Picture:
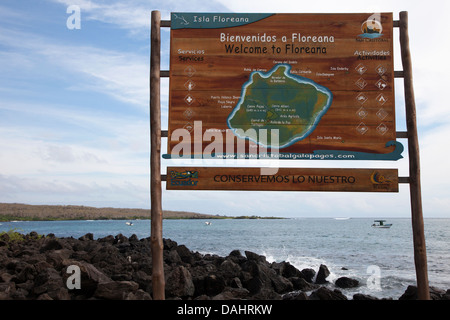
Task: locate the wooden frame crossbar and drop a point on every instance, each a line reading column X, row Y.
column 420, row 259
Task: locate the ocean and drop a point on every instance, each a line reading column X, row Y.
column 381, row 259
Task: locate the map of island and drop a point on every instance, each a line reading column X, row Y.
column 279, row 100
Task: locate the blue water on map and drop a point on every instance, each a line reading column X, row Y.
column 381, row 259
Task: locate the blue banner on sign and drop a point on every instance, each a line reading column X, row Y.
column 189, row 20
column 395, row 155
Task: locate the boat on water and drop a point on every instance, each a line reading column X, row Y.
column 343, row 218
column 208, row 223
column 129, row 223
column 381, row 224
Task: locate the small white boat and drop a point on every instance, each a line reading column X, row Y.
column 129, row 223
column 381, row 224
column 344, row 218
column 208, row 223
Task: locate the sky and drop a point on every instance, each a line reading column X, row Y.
column 74, row 109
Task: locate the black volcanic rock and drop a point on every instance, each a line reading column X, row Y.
column 37, row 267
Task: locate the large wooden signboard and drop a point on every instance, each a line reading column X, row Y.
column 286, row 179
column 321, row 84
column 313, row 86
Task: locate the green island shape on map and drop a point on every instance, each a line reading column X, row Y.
column 279, row 100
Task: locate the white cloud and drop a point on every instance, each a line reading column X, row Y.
column 134, row 15
column 120, row 74
column 123, row 76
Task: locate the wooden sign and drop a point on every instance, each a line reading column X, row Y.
column 286, row 179
column 311, row 86
column 242, row 55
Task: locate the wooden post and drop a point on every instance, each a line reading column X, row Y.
column 158, row 282
column 420, row 256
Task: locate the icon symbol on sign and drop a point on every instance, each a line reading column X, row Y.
column 189, row 99
column 381, row 99
column 362, row 128
column 188, row 113
column 380, row 70
column 382, row 129
column 181, row 18
column 362, row 113
column 188, row 126
column 361, row 83
column 381, row 84
column 189, row 85
column 372, row 27
column 190, row 71
column 361, row 98
column 382, row 114
column 360, row 68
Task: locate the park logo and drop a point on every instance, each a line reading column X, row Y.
column 185, row 178
column 380, row 181
column 372, row 27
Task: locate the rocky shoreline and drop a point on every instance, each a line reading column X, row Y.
column 34, row 267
